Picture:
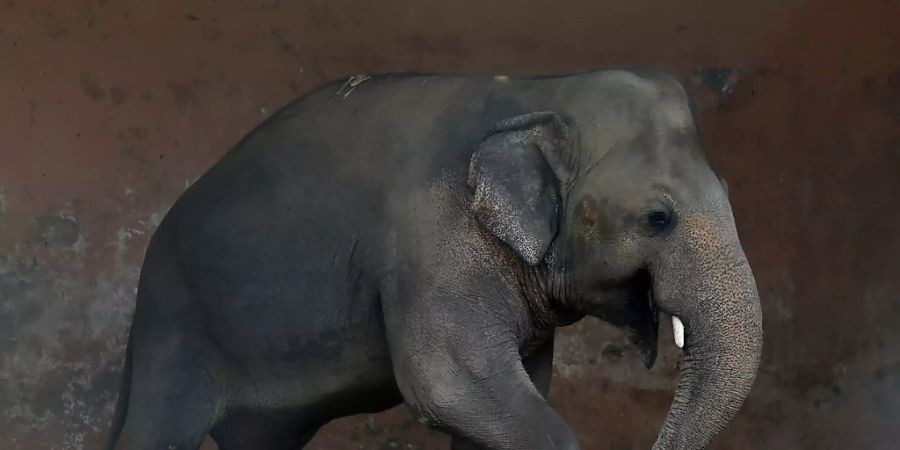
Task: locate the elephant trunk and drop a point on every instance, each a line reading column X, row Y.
column 707, row 284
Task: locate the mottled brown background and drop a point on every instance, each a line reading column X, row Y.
column 108, row 109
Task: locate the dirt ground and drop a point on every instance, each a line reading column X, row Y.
column 109, row 109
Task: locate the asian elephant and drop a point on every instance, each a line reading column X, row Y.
column 418, row 238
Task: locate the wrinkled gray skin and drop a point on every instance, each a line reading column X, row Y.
column 418, row 239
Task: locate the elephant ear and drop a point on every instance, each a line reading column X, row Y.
column 516, row 172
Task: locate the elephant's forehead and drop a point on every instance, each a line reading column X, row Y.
column 673, row 116
column 620, row 106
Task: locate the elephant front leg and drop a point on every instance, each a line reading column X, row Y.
column 481, row 392
column 539, row 366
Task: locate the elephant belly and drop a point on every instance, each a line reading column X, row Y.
column 321, row 379
column 310, row 361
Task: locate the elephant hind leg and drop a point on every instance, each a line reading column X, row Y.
column 258, row 431
column 175, row 399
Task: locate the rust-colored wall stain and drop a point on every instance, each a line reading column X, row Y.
column 109, row 109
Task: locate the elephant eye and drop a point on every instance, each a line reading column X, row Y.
column 659, row 220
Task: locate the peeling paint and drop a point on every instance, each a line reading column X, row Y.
column 60, row 362
column 721, row 82
column 57, row 230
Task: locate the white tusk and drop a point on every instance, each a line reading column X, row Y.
column 678, row 331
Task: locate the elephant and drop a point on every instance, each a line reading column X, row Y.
column 418, row 238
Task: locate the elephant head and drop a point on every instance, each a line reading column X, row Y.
column 616, row 213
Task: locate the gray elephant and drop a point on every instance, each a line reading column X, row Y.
column 419, row 238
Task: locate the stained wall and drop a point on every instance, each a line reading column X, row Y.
column 109, row 109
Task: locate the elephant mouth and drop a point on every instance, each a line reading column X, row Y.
column 645, row 334
column 655, row 312
column 651, row 303
column 633, row 309
column 641, row 319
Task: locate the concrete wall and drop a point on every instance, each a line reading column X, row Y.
column 108, row 109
